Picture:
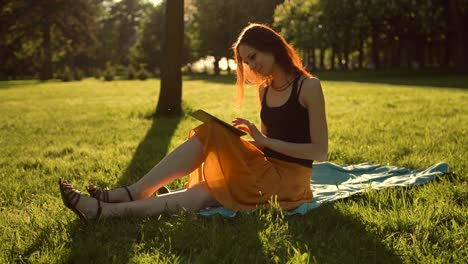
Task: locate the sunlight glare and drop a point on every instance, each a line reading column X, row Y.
column 155, row 2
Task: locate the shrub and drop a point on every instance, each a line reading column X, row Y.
column 131, row 72
column 143, row 74
column 57, row 74
column 78, row 74
column 66, row 74
column 97, row 73
column 109, row 72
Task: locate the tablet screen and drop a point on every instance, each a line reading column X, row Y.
column 205, row 117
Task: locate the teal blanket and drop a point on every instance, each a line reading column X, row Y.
column 331, row 182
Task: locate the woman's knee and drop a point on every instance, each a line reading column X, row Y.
column 201, row 195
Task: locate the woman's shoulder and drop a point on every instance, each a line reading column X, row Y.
column 311, row 82
column 311, row 91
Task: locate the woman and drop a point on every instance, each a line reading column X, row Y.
column 224, row 169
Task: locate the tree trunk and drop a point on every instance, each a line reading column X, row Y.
column 419, row 46
column 314, row 60
column 408, row 49
column 46, row 70
column 322, row 59
column 346, row 59
column 375, row 48
column 340, row 60
column 361, row 51
column 170, row 96
column 332, row 60
column 216, row 68
column 430, row 54
column 395, row 54
column 456, row 38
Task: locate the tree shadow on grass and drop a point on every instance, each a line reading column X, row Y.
column 182, row 237
column 113, row 241
column 335, row 237
column 328, row 234
column 151, row 149
column 325, row 234
column 404, row 77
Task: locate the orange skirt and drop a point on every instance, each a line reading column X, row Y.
column 239, row 176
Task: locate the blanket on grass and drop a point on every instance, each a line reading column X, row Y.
column 331, row 182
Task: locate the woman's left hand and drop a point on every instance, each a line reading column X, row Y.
column 251, row 129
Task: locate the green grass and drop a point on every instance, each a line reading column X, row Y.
column 102, row 132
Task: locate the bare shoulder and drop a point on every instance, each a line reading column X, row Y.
column 311, row 84
column 311, row 92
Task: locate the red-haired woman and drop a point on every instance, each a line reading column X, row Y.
column 224, row 169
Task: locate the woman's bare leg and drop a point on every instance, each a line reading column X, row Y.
column 192, row 199
column 180, row 162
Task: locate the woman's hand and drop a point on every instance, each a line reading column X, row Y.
column 251, row 129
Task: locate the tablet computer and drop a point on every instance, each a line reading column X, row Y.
column 205, row 117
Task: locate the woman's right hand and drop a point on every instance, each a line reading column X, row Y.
column 251, row 129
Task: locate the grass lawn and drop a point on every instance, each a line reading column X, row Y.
column 102, row 132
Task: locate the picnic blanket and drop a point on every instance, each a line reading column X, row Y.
column 331, row 182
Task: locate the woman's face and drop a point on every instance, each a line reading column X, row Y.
column 259, row 62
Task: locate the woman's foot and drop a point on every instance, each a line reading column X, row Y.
column 117, row 195
column 83, row 206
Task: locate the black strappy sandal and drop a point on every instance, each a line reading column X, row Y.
column 71, row 198
column 97, row 191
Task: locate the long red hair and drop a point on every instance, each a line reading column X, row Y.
column 264, row 39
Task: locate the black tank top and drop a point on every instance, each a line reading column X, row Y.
column 288, row 122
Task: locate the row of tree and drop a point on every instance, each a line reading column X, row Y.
column 40, row 37
column 377, row 33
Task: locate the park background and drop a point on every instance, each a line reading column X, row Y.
column 76, row 39
column 81, row 93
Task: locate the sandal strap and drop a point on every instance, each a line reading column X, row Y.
column 99, row 211
column 95, row 193
column 103, row 195
column 128, row 191
column 74, row 198
column 71, row 197
column 100, row 194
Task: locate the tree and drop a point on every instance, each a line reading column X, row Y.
column 217, row 23
column 149, row 45
column 127, row 16
column 300, row 22
column 458, row 38
column 170, row 96
column 148, row 48
column 46, row 31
